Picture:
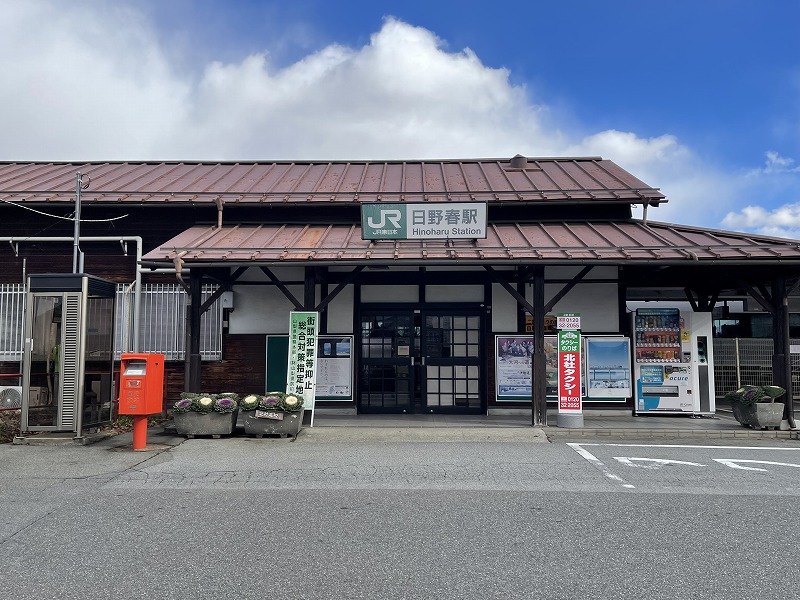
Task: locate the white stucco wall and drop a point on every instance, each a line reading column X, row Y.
column 504, row 310
column 340, row 312
column 389, row 293
column 454, row 293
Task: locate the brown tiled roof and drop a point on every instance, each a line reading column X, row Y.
column 622, row 242
column 493, row 180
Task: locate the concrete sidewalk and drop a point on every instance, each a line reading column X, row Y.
column 597, row 424
column 336, row 426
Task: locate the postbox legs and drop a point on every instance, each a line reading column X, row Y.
column 140, row 432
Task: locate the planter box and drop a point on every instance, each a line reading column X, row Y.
column 214, row 424
column 759, row 415
column 260, row 426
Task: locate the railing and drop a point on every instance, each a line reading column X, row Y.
column 12, row 309
column 161, row 329
column 163, row 324
column 747, row 361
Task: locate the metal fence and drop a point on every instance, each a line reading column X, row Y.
column 12, row 309
column 161, row 328
column 746, row 361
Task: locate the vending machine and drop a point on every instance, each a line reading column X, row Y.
column 673, row 362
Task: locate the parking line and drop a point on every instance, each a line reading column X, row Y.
column 685, row 446
column 599, row 464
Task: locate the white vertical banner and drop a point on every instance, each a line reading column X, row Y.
column 301, row 373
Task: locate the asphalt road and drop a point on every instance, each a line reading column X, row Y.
column 319, row 519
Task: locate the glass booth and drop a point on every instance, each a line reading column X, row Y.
column 68, row 361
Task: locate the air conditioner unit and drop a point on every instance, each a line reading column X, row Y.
column 10, row 396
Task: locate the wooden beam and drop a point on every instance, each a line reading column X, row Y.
column 510, row 289
column 347, row 281
column 566, row 289
column 297, row 304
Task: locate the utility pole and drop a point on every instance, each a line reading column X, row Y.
column 77, row 265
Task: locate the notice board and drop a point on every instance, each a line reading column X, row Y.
column 334, row 355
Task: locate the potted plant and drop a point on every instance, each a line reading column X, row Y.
column 275, row 413
column 205, row 414
column 755, row 406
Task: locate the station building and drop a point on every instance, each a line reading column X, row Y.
column 434, row 280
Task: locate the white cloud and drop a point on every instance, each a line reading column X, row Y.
column 778, row 178
column 90, row 81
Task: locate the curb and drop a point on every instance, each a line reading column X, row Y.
column 422, row 434
column 758, row 434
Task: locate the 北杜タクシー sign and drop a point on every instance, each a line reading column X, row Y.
column 569, row 363
column 444, row 220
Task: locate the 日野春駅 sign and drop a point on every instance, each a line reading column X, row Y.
column 445, row 220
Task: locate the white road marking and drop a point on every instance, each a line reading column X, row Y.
column 656, row 463
column 734, row 464
column 687, row 446
column 599, row 464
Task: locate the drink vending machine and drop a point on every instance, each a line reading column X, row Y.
column 673, row 362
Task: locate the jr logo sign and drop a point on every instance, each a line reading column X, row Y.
column 391, row 215
column 432, row 220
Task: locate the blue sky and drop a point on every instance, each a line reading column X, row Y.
column 699, row 98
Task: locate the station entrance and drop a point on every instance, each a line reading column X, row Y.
column 428, row 360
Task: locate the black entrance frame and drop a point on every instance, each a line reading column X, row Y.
column 420, row 357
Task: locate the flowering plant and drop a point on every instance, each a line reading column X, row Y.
column 291, row 403
column 250, row 402
column 750, row 394
column 206, row 403
column 225, row 404
column 273, row 401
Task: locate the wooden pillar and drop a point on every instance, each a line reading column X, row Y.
column 781, row 357
column 309, row 289
column 192, row 381
column 539, row 367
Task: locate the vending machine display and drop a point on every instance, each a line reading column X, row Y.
column 672, row 368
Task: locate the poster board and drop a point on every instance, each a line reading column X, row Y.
column 328, row 373
column 513, row 364
column 335, row 368
column 608, row 367
column 277, row 361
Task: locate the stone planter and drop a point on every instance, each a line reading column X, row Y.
column 760, row 415
column 214, row 424
column 268, row 423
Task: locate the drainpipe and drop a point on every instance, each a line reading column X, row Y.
column 219, row 202
column 178, row 262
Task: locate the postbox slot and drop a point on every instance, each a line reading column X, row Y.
column 135, row 368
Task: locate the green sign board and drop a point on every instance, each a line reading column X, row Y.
column 301, row 371
column 432, row 220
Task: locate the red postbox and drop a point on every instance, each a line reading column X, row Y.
column 141, row 391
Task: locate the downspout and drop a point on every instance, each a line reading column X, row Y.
column 219, row 202
column 178, row 262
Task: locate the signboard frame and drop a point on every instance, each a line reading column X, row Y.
column 334, row 384
column 301, row 369
column 424, row 220
column 511, row 387
column 569, row 371
column 598, row 386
